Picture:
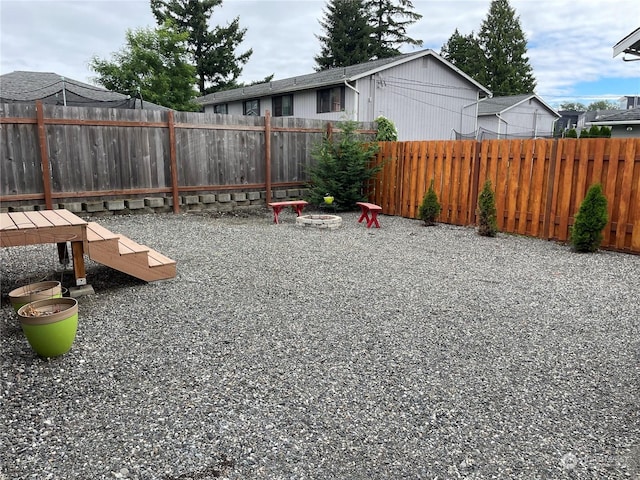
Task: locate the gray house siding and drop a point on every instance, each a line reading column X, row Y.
column 527, row 119
column 623, row 124
column 304, row 106
column 622, row 131
column 425, row 99
column 425, row 96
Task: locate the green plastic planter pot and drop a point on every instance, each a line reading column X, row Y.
column 52, row 330
column 33, row 292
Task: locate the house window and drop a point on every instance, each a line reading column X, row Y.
column 283, row 106
column 251, row 107
column 330, row 100
column 221, row 108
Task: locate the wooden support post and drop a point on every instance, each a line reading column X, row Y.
column 174, row 163
column 44, row 155
column 63, row 253
column 267, row 154
column 79, row 273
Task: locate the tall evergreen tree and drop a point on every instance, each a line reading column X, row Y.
column 356, row 31
column 464, row 52
column 390, row 20
column 497, row 57
column 213, row 51
column 508, row 71
column 347, row 35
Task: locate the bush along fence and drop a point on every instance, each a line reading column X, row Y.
column 539, row 183
column 106, row 160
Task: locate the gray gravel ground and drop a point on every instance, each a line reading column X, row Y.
column 287, row 353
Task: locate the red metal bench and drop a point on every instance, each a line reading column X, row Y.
column 297, row 205
column 369, row 208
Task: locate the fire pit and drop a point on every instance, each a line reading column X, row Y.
column 330, row 222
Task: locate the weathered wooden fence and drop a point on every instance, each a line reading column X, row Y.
column 64, row 153
column 539, row 183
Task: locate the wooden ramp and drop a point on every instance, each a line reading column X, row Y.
column 123, row 254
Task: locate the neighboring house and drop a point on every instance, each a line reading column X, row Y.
column 587, row 118
column 51, row 88
column 568, row 120
column 623, row 124
column 516, row 116
column 629, row 45
column 629, row 101
column 425, row 96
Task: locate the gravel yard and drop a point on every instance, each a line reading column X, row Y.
column 281, row 352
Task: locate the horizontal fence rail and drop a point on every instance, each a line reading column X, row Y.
column 539, row 183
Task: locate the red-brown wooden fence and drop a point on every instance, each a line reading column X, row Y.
column 539, row 183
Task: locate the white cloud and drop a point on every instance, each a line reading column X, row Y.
column 569, row 42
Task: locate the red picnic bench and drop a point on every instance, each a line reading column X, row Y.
column 297, row 205
column 369, row 208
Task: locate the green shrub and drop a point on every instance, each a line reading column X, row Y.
column 487, row 223
column 584, row 133
column 387, row 131
column 592, row 217
column 571, row 133
column 595, row 132
column 342, row 168
column 430, row 208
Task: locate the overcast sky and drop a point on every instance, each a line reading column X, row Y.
column 570, row 43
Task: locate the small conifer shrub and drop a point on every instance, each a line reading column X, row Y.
column 487, row 214
column 343, row 166
column 592, row 217
column 430, row 208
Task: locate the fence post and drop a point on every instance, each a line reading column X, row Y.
column 267, row 154
column 174, row 162
column 44, row 155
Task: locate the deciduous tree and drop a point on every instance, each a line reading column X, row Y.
column 602, row 105
column 574, row 106
column 155, row 64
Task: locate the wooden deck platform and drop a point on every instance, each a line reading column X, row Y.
column 98, row 243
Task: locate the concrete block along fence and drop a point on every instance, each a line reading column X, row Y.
column 211, row 202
